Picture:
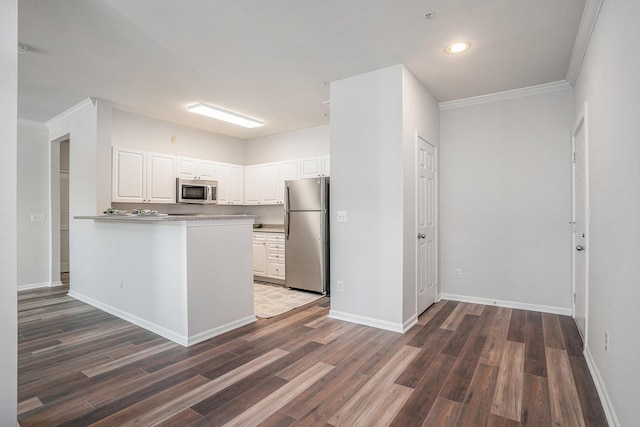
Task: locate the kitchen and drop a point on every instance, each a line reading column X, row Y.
column 170, row 151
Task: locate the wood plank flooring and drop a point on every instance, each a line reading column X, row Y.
column 461, row 365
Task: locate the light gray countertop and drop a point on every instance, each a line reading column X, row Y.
column 167, row 218
column 269, row 228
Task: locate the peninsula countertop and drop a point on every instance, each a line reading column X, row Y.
column 165, row 217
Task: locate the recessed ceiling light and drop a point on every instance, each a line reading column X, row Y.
column 224, row 115
column 429, row 15
column 457, row 47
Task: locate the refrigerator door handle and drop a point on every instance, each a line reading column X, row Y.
column 286, row 211
column 286, row 225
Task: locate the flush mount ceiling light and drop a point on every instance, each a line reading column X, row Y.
column 224, row 115
column 457, row 47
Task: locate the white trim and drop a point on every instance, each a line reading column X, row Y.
column 506, row 95
column 581, row 122
column 409, row 323
column 587, row 24
column 72, row 112
column 605, row 399
column 162, row 331
column 509, row 304
column 203, row 336
column 39, row 285
column 32, row 124
column 367, row 321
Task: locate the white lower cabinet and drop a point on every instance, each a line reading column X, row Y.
column 268, row 256
column 259, row 254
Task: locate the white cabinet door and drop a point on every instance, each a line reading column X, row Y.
column 223, row 176
column 161, row 181
column 129, row 176
column 289, row 170
column 206, row 170
column 326, row 165
column 253, row 184
column 237, row 185
column 270, row 184
column 259, row 254
column 312, row 167
column 187, row 167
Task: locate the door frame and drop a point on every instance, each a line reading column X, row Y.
column 436, row 273
column 581, row 122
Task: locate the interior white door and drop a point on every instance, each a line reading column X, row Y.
column 426, row 218
column 580, row 219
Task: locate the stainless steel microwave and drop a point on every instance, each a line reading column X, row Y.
column 196, row 191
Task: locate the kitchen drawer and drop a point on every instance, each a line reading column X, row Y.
column 276, row 237
column 275, row 256
column 276, row 270
column 262, row 237
column 276, row 246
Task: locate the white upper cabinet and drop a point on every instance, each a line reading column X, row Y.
column 161, row 181
column 189, row 168
column 289, row 170
column 270, row 184
column 230, row 183
column 264, row 183
column 128, row 175
column 253, row 185
column 312, row 167
column 143, row 177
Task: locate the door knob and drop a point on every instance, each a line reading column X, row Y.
column 580, row 248
column 421, row 236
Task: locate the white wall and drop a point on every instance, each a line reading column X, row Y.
column 505, row 199
column 420, row 113
column 8, row 182
column 609, row 83
column 33, row 197
column 367, row 180
column 133, row 131
column 290, row 145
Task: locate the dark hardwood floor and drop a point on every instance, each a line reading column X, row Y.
column 462, row 365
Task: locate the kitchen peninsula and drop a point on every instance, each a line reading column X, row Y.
column 187, row 278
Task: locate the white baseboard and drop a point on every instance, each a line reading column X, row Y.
column 605, row 399
column 203, row 336
column 156, row 329
column 409, row 323
column 181, row 339
column 367, row 321
column 39, row 285
column 508, row 304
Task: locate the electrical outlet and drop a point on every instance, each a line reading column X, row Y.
column 606, row 341
column 121, row 284
column 457, row 273
column 38, row 217
column 342, row 216
column 340, row 284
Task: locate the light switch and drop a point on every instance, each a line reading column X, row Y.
column 37, row 217
column 342, row 216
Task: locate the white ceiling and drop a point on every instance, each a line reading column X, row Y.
column 273, row 60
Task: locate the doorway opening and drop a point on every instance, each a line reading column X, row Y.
column 64, row 212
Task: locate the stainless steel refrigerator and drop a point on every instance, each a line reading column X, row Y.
column 306, row 227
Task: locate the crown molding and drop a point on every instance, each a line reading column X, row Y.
column 503, row 96
column 72, row 112
column 32, row 124
column 587, row 24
